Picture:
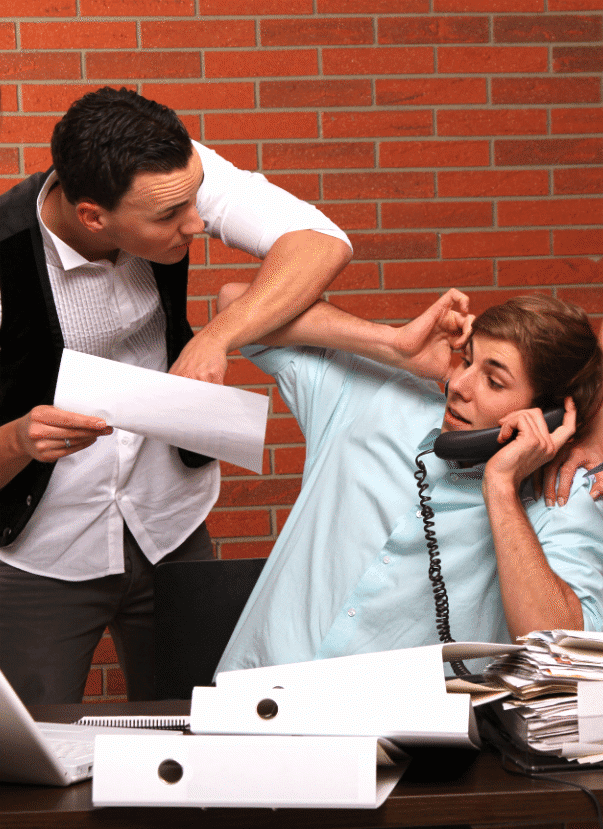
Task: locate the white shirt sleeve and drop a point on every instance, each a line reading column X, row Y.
column 247, row 212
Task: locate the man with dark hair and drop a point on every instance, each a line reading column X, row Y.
column 350, row 571
column 94, row 257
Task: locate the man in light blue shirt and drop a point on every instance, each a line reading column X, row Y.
column 348, row 573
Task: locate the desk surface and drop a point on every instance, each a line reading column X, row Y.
column 482, row 794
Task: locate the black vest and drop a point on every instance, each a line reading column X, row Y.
column 31, row 341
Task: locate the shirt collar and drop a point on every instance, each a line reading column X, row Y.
column 60, row 253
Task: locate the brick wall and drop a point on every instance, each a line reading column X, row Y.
column 459, row 142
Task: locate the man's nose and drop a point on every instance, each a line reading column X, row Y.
column 192, row 223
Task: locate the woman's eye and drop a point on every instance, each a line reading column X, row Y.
column 493, row 384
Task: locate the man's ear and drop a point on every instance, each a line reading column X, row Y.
column 91, row 215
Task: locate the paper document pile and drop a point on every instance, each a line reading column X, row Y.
column 557, row 694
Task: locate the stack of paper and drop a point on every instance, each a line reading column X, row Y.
column 557, row 704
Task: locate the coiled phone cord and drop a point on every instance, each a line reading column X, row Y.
column 440, row 596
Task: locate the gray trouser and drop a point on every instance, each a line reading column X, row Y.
column 49, row 628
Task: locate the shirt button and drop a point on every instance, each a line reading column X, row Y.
column 419, row 513
column 386, row 559
column 28, row 500
column 454, row 477
column 351, row 612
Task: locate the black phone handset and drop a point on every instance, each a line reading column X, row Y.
column 473, row 446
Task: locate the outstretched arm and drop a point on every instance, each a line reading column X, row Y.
column 534, row 596
column 296, row 270
column 423, row 346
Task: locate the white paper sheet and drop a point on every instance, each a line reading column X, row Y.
column 220, row 421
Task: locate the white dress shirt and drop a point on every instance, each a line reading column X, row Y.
column 114, row 311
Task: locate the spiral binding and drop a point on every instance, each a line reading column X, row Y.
column 440, row 596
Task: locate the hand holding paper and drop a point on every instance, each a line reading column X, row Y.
column 222, row 422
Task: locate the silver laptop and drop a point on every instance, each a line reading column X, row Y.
column 51, row 754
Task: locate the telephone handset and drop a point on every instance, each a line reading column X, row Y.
column 473, row 446
column 478, row 446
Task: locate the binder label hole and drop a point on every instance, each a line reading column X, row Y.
column 267, row 709
column 170, row 771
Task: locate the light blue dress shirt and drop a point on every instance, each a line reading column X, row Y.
column 348, row 573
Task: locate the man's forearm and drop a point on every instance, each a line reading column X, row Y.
column 295, row 272
column 534, row 597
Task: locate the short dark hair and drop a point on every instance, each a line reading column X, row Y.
column 560, row 350
column 108, row 136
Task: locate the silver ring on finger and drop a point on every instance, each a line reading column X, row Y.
column 67, row 443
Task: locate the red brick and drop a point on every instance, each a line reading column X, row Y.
column 493, row 183
column 43, row 8
column 199, row 34
column 219, row 254
column 289, row 461
column 577, row 120
column 7, row 183
column 351, row 216
column 281, row 518
column 394, row 307
column 202, row 95
column 255, row 7
column 243, row 373
column 433, row 30
column 578, row 59
column 373, row 6
column 323, row 93
column 253, row 64
column 247, row 549
column 56, row 97
column 488, row 6
column 261, row 125
column 480, row 300
column 519, row 91
column 78, row 35
column 554, row 212
column 94, row 683
column 133, row 8
column 7, row 35
column 578, row 242
column 426, row 92
column 376, row 185
column 244, row 156
column 549, row 151
column 105, row 653
column 197, row 250
column 590, row 299
column 30, row 66
column 453, row 274
column 547, row 28
column 495, row 243
column 283, row 430
column 198, row 312
column 278, row 404
column 357, row 276
column 434, row 154
column 555, row 271
column 304, row 186
column 394, row 245
column 31, row 129
column 574, row 181
column 143, row 65
column 380, row 124
column 9, row 161
column 223, row 524
column 490, row 59
column 8, row 98
column 255, row 492
column 492, row 122
column 316, row 32
column 432, row 214
column 116, row 683
column 574, row 5
column 380, row 60
column 311, row 156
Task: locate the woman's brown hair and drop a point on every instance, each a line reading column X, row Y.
column 560, row 350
